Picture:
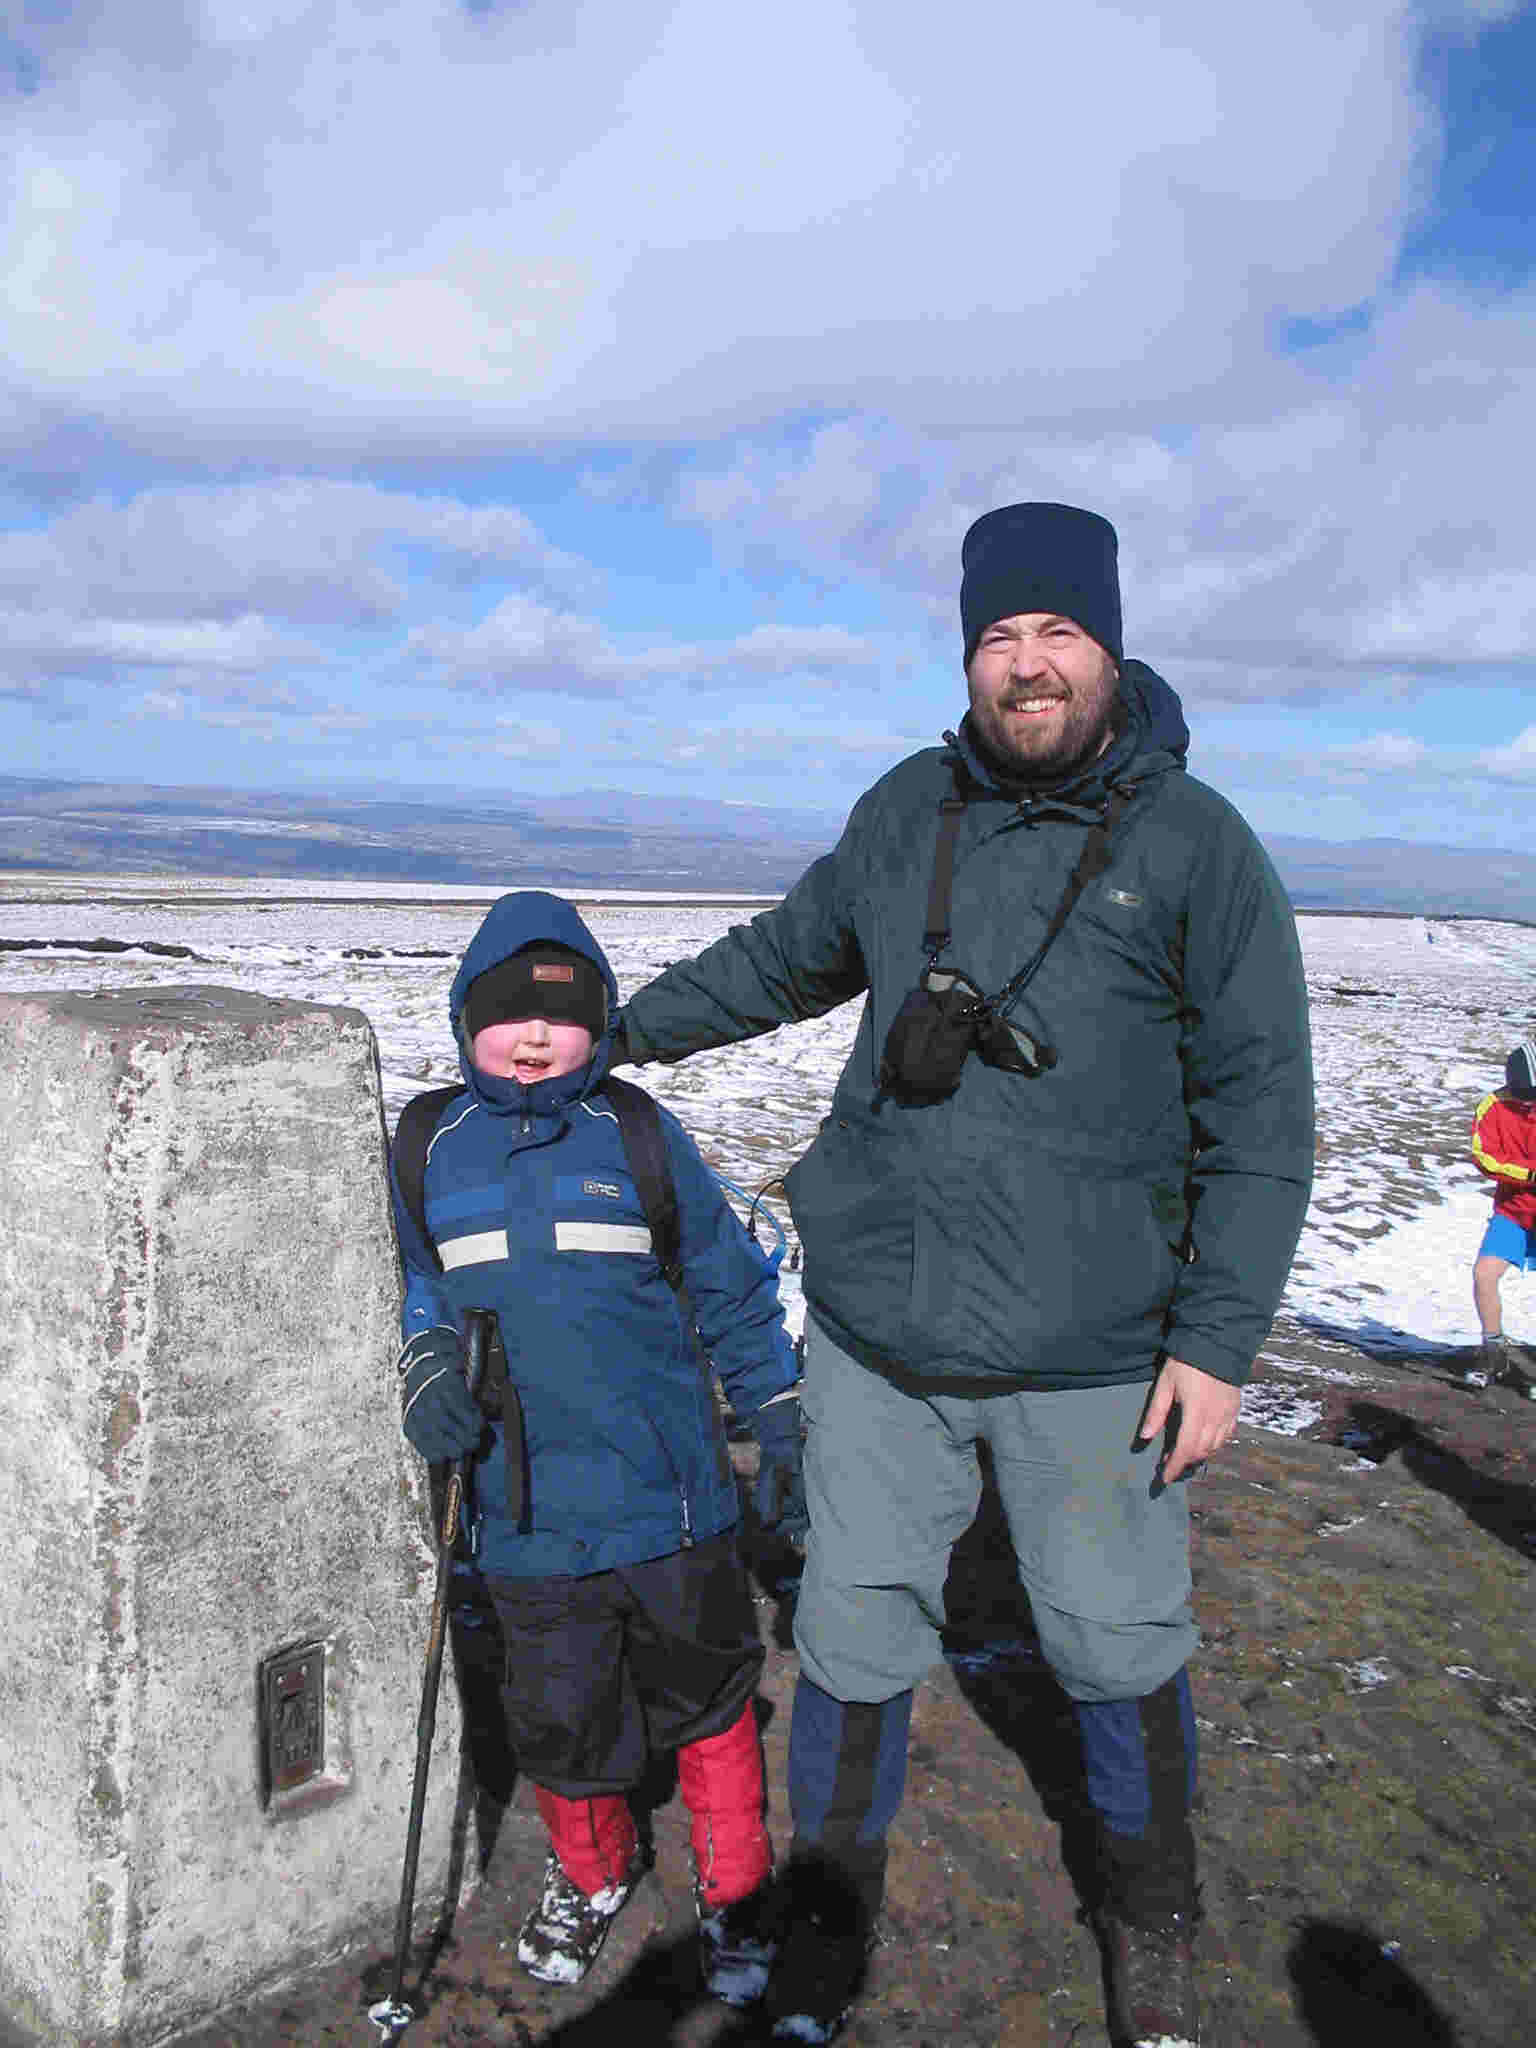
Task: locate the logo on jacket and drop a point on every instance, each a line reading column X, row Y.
column 1126, row 896
column 609, row 1188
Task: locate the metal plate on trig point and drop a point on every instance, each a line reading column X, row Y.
column 293, row 1717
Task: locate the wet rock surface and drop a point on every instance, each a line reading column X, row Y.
column 1367, row 1698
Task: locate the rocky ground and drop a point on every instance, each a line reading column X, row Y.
column 1367, row 1697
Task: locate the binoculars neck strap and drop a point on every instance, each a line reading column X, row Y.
column 1091, row 862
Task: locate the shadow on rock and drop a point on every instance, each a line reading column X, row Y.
column 1505, row 1508
column 991, row 1646
column 1384, row 1342
column 1351, row 1990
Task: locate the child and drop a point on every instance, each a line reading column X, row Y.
column 1504, row 1146
column 611, row 1561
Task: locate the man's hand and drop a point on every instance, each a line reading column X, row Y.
column 1207, row 1415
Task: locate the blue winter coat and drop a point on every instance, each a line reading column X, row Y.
column 530, row 1203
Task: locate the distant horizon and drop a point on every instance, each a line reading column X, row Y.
column 413, row 796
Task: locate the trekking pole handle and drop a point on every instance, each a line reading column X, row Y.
column 478, row 1324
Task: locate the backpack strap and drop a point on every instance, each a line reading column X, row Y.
column 413, row 1135
column 645, row 1147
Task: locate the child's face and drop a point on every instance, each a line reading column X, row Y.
column 530, row 1049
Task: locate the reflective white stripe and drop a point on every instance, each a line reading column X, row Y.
column 472, row 1251
column 602, row 1237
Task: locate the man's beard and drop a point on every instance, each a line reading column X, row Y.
column 1081, row 741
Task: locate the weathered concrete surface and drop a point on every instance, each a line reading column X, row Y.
column 200, row 1466
column 1367, row 1694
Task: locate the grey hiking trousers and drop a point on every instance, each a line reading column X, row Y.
column 892, row 1482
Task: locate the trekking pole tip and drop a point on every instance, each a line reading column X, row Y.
column 391, row 2016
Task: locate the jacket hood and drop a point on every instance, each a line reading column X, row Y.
column 512, row 922
column 1152, row 738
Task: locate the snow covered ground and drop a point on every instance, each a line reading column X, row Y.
column 1411, row 1019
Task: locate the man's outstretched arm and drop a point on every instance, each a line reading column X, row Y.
column 798, row 960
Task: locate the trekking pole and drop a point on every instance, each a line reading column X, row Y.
column 391, row 2015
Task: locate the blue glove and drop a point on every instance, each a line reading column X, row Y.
column 779, row 1495
column 437, row 1414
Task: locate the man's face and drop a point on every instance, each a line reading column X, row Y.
column 1042, row 693
column 530, row 1049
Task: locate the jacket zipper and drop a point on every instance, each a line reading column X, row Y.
column 677, row 1481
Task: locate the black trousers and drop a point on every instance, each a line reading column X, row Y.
column 605, row 1672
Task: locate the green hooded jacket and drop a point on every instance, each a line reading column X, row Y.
column 1142, row 1196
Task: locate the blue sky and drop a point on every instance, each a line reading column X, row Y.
column 529, row 396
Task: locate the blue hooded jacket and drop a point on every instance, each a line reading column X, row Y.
column 530, row 1203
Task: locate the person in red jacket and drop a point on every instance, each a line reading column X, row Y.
column 1504, row 1147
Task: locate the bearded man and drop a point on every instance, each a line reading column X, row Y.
column 1050, row 1211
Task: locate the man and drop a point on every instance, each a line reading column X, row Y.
column 1051, row 1210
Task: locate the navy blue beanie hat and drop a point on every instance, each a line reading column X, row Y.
column 1041, row 558
column 1520, row 1071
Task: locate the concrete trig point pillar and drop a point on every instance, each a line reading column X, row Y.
column 216, row 1576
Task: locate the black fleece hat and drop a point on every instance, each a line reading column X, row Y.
column 1041, row 558
column 543, row 980
column 1520, row 1071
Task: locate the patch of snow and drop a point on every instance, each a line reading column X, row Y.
column 1266, row 1406
column 1335, row 1375
column 1366, row 1673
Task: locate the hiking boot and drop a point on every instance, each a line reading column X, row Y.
column 1510, row 1365
column 1149, row 1980
column 737, row 1945
column 559, row 1941
column 819, row 1973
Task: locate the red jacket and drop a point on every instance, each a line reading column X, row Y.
column 1504, row 1146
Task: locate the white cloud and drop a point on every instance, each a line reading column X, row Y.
column 1383, row 761
column 311, row 550
column 539, row 219
column 524, row 644
column 1515, row 762
column 1363, row 537
column 832, row 281
column 59, row 643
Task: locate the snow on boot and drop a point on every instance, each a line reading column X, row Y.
column 737, row 1945
column 721, row 1779
column 595, row 1863
column 813, row 1988
column 1149, row 1980
column 559, row 1941
column 825, row 1954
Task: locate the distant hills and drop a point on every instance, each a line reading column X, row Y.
column 597, row 838
column 1399, row 876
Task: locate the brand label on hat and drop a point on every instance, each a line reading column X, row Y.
column 553, row 970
